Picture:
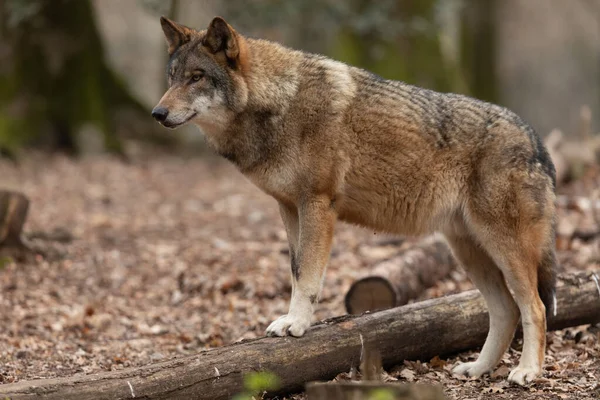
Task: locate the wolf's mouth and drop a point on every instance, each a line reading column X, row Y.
column 175, row 125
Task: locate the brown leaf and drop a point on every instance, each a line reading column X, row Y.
column 89, row 311
column 437, row 362
column 500, row 372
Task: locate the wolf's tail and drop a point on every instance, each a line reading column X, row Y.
column 547, row 281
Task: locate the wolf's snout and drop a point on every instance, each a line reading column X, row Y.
column 160, row 114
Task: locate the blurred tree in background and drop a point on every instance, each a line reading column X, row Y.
column 54, row 80
column 447, row 45
column 57, row 86
column 540, row 58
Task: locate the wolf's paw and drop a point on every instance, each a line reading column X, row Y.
column 524, row 375
column 473, row 369
column 288, row 324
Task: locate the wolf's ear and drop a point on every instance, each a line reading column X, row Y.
column 221, row 37
column 175, row 34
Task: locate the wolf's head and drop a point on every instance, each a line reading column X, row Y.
column 205, row 76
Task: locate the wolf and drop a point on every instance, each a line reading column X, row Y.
column 333, row 142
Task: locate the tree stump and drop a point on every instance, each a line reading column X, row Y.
column 13, row 212
column 372, row 390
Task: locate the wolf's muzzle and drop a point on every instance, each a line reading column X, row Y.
column 160, row 114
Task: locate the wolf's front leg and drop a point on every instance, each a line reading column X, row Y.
column 310, row 232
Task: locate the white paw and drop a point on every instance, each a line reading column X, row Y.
column 524, row 375
column 288, row 324
column 473, row 369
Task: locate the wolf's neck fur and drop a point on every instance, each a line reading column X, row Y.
column 272, row 78
column 273, row 75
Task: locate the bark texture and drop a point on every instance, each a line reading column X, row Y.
column 394, row 282
column 55, row 81
column 417, row 331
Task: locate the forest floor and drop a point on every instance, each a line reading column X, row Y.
column 165, row 256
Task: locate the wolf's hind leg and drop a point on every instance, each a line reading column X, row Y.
column 521, row 275
column 518, row 251
column 316, row 220
column 503, row 311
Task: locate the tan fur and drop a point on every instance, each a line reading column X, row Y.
column 333, row 142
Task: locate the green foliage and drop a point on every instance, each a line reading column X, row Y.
column 478, row 54
column 381, row 394
column 395, row 39
column 383, row 18
column 260, row 381
column 256, row 383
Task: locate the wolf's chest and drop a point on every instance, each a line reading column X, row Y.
column 279, row 182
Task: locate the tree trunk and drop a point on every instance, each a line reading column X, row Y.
column 409, row 54
column 394, row 282
column 54, row 79
column 417, row 331
column 478, row 49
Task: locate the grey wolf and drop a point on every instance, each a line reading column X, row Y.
column 333, row 142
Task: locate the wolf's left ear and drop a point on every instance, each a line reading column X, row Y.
column 175, row 34
column 221, row 37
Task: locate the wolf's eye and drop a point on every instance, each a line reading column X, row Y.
column 197, row 76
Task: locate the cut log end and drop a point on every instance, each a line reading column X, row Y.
column 372, row 293
column 396, row 281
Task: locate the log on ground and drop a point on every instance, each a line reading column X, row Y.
column 394, row 282
column 417, row 331
column 13, row 212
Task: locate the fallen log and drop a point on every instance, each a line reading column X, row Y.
column 13, row 212
column 394, row 282
column 416, row 331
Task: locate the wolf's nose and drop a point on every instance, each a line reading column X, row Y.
column 160, row 114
